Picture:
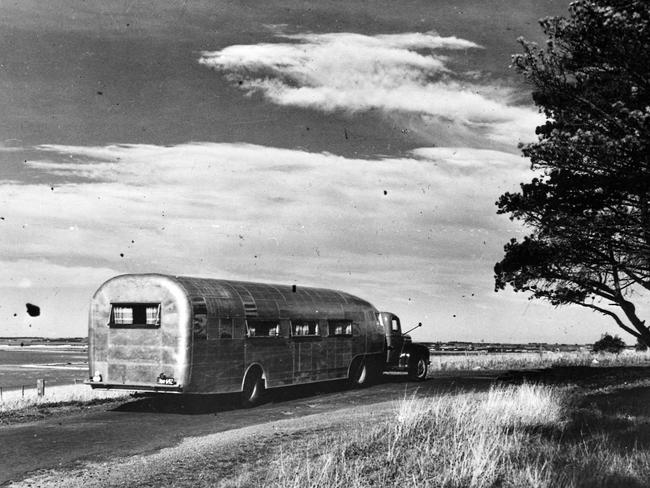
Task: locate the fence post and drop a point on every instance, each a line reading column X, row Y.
column 23, row 390
column 40, row 387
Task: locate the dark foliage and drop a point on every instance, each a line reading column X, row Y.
column 589, row 208
column 640, row 345
column 608, row 343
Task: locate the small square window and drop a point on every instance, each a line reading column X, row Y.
column 339, row 327
column 263, row 328
column 135, row 315
column 199, row 318
column 301, row 328
column 226, row 328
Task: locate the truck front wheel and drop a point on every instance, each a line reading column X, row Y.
column 418, row 368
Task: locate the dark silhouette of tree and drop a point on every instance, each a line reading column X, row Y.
column 607, row 343
column 589, row 208
column 640, row 345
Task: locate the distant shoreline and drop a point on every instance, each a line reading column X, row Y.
column 42, row 341
column 43, row 347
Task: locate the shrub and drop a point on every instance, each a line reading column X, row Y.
column 607, row 343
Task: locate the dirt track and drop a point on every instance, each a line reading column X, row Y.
column 149, row 424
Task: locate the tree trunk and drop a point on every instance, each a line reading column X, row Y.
column 630, row 312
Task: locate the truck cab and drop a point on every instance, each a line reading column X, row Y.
column 402, row 354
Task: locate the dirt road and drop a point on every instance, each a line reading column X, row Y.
column 149, row 424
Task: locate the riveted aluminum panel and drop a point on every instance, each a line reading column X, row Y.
column 216, row 361
column 270, row 299
column 137, row 356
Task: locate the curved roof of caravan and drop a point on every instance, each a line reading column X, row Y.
column 250, row 292
column 236, row 298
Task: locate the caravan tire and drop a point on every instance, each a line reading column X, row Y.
column 254, row 389
column 359, row 374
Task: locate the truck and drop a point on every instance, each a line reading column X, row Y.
column 402, row 354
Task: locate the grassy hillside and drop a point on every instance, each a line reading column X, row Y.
column 509, row 436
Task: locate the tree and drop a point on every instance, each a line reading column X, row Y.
column 640, row 345
column 607, row 343
column 589, row 208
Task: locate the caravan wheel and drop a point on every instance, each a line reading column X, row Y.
column 359, row 374
column 253, row 391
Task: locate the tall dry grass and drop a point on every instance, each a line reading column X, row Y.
column 544, row 359
column 516, row 436
column 14, row 400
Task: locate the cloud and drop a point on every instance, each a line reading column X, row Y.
column 408, row 233
column 404, row 73
column 417, row 235
column 40, row 273
column 10, row 145
column 191, row 202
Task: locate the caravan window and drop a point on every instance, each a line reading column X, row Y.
column 135, row 315
column 199, row 318
column 300, row 328
column 263, row 328
column 339, row 327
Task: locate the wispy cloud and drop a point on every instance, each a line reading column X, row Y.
column 40, row 273
column 417, row 234
column 398, row 73
column 255, row 205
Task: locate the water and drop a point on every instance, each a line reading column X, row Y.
column 57, row 365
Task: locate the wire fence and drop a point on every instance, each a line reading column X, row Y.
column 24, row 396
column 37, row 388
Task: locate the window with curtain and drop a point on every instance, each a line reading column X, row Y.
column 135, row 315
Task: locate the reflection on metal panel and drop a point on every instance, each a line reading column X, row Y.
column 212, row 330
column 244, row 299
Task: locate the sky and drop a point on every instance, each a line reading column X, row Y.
column 351, row 145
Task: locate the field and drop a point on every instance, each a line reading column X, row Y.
column 64, row 367
column 524, row 435
column 520, row 436
column 528, row 360
column 551, row 420
column 27, row 404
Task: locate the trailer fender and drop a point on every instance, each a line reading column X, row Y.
column 248, row 369
column 365, row 369
column 414, row 351
column 253, row 386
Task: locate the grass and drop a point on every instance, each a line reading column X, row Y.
column 544, row 359
column 525, row 435
column 451, row 440
column 13, row 401
column 517, row 436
